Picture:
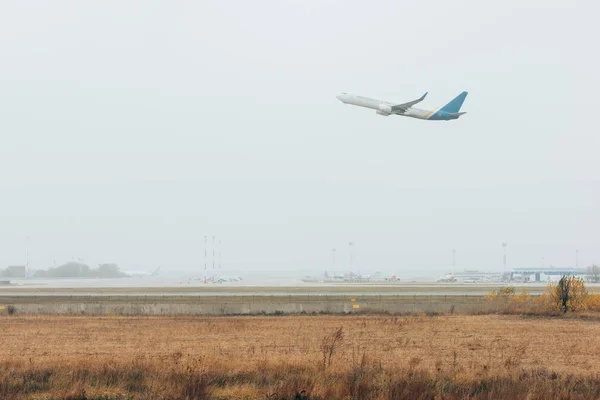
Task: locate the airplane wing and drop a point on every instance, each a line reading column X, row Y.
column 401, row 108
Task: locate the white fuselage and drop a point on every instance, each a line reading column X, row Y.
column 382, row 107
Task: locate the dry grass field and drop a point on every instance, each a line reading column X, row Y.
column 299, row 357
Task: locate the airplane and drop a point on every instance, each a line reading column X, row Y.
column 141, row 274
column 447, row 278
column 385, row 108
column 223, row 279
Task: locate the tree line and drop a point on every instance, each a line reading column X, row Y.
column 593, row 273
column 76, row 270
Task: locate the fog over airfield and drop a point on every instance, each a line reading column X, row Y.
column 129, row 130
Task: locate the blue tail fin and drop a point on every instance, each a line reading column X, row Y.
column 455, row 105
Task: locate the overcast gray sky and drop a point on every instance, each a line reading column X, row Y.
column 130, row 130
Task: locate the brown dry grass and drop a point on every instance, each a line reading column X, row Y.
column 378, row 357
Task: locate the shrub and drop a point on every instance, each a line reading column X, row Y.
column 504, row 293
column 569, row 294
column 593, row 302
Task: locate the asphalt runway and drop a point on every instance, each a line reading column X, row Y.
column 238, row 294
column 260, row 296
column 168, row 286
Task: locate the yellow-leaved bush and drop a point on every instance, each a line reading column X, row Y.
column 567, row 295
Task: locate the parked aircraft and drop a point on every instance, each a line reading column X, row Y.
column 447, row 278
column 386, row 108
column 224, row 279
column 141, row 274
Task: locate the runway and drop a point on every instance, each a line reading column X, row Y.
column 172, row 286
column 264, row 296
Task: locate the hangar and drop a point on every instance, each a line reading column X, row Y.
column 538, row 273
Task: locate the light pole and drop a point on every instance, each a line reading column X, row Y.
column 333, row 261
column 504, row 245
column 350, row 256
column 453, row 261
column 27, row 258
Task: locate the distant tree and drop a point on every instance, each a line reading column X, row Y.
column 1, row 272
column 69, row 270
column 109, row 271
column 593, row 273
column 79, row 270
column 40, row 273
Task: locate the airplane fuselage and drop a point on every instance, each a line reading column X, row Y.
column 385, row 108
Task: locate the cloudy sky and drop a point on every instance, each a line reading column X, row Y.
column 130, row 130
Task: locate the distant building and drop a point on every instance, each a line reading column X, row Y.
column 15, row 271
column 544, row 274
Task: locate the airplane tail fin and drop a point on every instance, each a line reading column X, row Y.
column 455, row 105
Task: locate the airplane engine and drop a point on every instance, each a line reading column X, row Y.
column 383, row 113
column 384, row 108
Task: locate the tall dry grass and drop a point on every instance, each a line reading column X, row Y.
column 569, row 295
column 318, row 357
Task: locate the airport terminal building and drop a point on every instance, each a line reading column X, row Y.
column 544, row 274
